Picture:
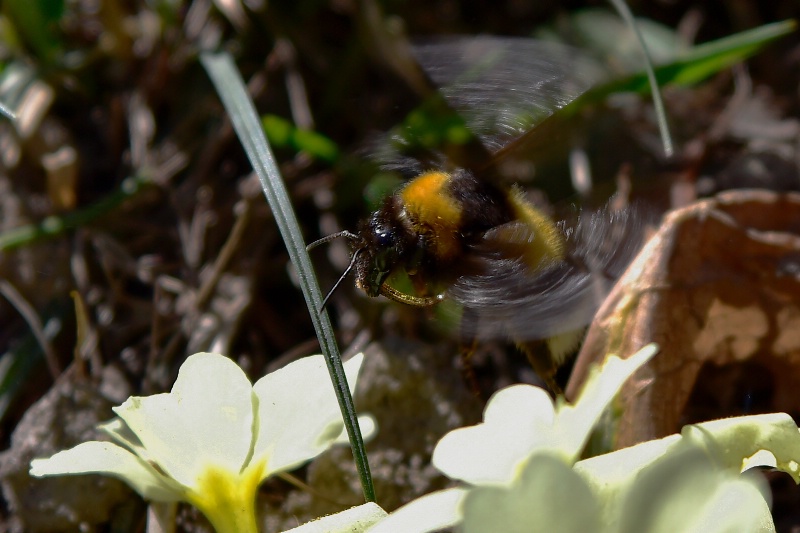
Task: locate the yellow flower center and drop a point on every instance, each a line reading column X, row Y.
column 228, row 498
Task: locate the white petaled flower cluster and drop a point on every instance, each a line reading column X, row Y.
column 215, row 437
column 520, row 470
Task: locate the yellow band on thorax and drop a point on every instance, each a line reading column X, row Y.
column 433, row 211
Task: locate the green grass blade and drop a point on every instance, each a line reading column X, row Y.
column 661, row 116
column 231, row 89
column 56, row 225
column 282, row 133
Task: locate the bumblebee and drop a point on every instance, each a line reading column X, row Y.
column 431, row 225
column 459, row 233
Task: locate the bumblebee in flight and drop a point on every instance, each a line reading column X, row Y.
column 459, row 233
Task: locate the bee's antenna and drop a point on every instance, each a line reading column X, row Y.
column 344, row 274
column 344, row 233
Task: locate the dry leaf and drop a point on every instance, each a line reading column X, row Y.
column 718, row 288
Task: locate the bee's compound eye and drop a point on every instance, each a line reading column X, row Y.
column 384, row 237
column 385, row 249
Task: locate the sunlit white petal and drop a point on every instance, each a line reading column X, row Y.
column 517, row 420
column 368, row 428
column 575, row 422
column 433, row 512
column 521, row 420
column 546, row 496
column 686, row 491
column 737, row 441
column 733, row 442
column 353, row 520
column 299, row 415
column 109, row 459
column 206, row 419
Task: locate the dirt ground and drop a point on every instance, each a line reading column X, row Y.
column 133, row 232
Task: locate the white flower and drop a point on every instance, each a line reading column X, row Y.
column 691, row 481
column 522, row 419
column 215, row 437
column 684, row 490
column 518, row 422
column 522, row 473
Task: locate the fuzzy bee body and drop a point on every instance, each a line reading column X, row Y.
column 428, row 226
column 461, row 235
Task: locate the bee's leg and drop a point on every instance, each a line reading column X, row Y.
column 547, row 356
column 543, row 363
column 468, row 371
column 408, row 299
column 468, row 345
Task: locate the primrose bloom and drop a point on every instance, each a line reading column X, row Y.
column 521, row 419
column 521, row 471
column 215, row 437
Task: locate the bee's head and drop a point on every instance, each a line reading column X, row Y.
column 377, row 249
column 378, row 253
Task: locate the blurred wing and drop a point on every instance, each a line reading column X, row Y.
column 505, row 87
column 495, row 94
column 509, row 303
column 508, row 299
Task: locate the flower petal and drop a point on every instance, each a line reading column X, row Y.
column 207, row 419
column 517, row 420
column 432, row 512
column 736, row 442
column 732, row 442
column 521, row 420
column 122, row 435
column 298, row 414
column 547, row 496
column 366, row 424
column 730, row 445
column 106, row 458
column 574, row 423
column 686, row 491
column 353, row 520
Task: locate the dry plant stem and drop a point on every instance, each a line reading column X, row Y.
column 155, row 337
column 205, row 292
column 29, row 314
column 167, row 353
column 230, row 247
column 86, row 343
column 153, row 380
column 286, row 54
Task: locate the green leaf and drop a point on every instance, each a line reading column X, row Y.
column 283, row 133
column 702, row 61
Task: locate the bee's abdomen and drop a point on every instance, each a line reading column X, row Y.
column 546, row 242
